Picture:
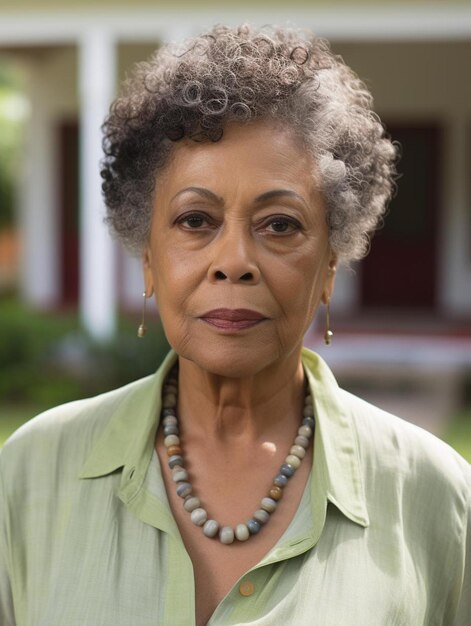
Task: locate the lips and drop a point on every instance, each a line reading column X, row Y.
column 232, row 319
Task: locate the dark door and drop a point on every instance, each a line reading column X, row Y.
column 69, row 211
column 401, row 268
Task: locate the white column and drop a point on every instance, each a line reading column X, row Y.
column 132, row 282
column 346, row 297
column 97, row 72
column 38, row 211
column 455, row 263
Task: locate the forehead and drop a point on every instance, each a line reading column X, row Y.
column 252, row 155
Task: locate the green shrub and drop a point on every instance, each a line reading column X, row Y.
column 45, row 359
column 10, row 142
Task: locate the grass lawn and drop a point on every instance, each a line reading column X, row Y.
column 12, row 417
column 458, row 435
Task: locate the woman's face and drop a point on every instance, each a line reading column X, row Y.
column 238, row 254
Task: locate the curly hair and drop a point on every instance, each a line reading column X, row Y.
column 192, row 90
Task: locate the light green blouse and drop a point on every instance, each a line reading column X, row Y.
column 382, row 536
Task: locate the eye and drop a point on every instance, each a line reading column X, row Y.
column 282, row 224
column 193, row 221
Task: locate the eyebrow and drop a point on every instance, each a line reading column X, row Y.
column 268, row 195
column 278, row 193
column 202, row 192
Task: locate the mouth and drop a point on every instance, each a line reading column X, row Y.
column 232, row 319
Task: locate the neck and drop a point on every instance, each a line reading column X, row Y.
column 247, row 408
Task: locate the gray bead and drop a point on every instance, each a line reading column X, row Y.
column 293, row 460
column 170, row 420
column 171, row 440
column 242, row 532
column 253, row 526
column 301, row 440
column 308, row 400
column 169, row 388
column 268, row 504
column 179, row 474
column 191, row 504
column 309, row 421
column 305, row 431
column 287, row 470
column 280, row 481
column 199, row 516
column 226, row 535
column 261, row 516
column 308, row 411
column 171, row 430
column 168, row 412
column 299, row 451
column 184, row 489
column 176, row 459
column 211, row 528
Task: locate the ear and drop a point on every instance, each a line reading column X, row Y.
column 330, row 280
column 147, row 269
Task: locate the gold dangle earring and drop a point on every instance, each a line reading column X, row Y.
column 141, row 331
column 328, row 333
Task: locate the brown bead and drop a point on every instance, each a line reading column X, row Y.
column 171, row 450
column 276, row 493
column 169, row 401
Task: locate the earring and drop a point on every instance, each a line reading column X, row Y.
column 328, row 333
column 141, row 331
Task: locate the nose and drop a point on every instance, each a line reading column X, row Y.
column 234, row 258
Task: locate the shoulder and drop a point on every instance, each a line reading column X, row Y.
column 408, row 454
column 418, row 488
column 67, row 431
column 388, row 446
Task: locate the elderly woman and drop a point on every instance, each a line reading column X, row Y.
column 238, row 484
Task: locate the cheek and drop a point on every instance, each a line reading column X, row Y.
column 298, row 284
column 176, row 277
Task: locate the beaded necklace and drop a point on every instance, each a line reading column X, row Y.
column 192, row 503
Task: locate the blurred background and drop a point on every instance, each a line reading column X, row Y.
column 70, row 298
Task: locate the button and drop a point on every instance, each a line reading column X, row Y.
column 246, row 588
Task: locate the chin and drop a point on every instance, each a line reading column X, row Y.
column 223, row 358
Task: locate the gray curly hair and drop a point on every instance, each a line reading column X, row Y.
column 242, row 74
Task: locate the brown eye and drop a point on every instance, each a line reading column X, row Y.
column 193, row 221
column 280, row 227
column 283, row 225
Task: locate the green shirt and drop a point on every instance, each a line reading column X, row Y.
column 87, row 536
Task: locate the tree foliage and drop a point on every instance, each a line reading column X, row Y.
column 10, row 139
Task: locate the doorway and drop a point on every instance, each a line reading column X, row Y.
column 69, row 211
column 400, row 272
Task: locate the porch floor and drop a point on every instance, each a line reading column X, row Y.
column 415, row 367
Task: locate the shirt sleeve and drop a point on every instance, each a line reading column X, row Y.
column 463, row 616
column 7, row 617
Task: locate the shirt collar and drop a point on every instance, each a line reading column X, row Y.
column 128, row 438
column 336, row 453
